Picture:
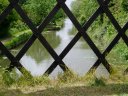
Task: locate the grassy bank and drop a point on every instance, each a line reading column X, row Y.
column 102, row 31
column 68, row 84
column 22, row 37
column 109, row 90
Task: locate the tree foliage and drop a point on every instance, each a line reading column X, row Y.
column 36, row 10
column 105, row 31
column 125, row 5
column 5, row 24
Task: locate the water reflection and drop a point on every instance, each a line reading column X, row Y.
column 79, row 59
column 38, row 52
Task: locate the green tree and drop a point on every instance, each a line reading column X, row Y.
column 37, row 10
column 5, row 24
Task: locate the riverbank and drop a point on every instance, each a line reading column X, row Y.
column 71, row 91
column 102, row 31
column 22, row 37
column 76, row 90
column 67, row 84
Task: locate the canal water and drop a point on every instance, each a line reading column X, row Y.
column 80, row 59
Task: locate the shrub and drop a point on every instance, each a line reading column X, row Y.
column 125, row 5
column 18, row 40
column 5, row 24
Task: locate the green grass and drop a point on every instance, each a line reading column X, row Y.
column 71, row 90
column 68, row 84
column 109, row 90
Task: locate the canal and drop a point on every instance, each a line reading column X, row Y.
column 80, row 59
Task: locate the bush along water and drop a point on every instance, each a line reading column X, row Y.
column 102, row 31
column 14, row 42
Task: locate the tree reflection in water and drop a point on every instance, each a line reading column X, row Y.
column 37, row 50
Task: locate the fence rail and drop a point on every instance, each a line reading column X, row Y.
column 82, row 32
